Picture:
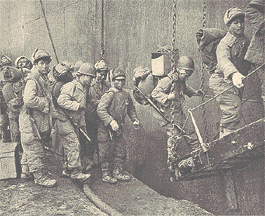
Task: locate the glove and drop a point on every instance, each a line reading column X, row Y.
column 136, row 124
column 199, row 93
column 114, row 125
column 237, row 79
column 171, row 96
column 81, row 107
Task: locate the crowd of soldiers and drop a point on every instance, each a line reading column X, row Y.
column 79, row 109
column 56, row 109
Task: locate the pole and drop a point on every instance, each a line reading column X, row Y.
column 42, row 7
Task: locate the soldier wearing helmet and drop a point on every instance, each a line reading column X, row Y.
column 230, row 70
column 169, row 93
column 72, row 105
column 35, row 118
column 98, row 87
column 4, row 62
column 113, row 106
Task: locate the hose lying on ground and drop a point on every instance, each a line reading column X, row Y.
column 99, row 203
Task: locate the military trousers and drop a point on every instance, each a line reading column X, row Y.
column 68, row 137
column 230, row 102
column 33, row 152
column 111, row 146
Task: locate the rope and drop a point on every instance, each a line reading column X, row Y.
column 102, row 28
column 49, row 32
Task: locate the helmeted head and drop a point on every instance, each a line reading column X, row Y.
column 86, row 73
column 185, row 67
column 23, row 62
column 234, row 19
column 41, row 60
column 62, row 73
column 69, row 65
column 102, row 70
column 78, row 65
column 5, row 61
column 118, row 78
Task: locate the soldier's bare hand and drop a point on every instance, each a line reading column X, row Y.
column 237, row 79
column 114, row 125
column 171, row 96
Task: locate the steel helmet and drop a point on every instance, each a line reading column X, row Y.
column 117, row 73
column 185, row 63
column 231, row 13
column 5, row 61
column 78, row 65
column 40, row 54
column 101, row 66
column 28, row 65
column 87, row 69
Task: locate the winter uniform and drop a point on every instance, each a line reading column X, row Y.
column 255, row 53
column 173, row 110
column 230, row 59
column 72, row 97
column 114, row 105
column 95, row 92
column 5, row 61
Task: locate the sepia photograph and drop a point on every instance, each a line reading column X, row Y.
column 132, row 107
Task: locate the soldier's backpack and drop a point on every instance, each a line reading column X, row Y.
column 208, row 40
column 62, row 75
column 145, row 83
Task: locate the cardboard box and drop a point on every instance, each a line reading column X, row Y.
column 161, row 63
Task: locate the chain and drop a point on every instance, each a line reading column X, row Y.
column 173, row 63
column 203, row 80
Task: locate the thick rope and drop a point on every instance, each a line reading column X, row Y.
column 102, row 29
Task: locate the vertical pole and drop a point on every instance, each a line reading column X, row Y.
column 42, row 7
column 102, row 28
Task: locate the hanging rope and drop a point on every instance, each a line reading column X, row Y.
column 102, row 29
column 49, row 32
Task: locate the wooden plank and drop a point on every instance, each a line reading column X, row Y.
column 223, row 153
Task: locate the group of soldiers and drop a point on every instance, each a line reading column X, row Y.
column 56, row 109
column 82, row 107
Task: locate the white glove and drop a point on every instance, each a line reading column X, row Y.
column 237, row 79
column 114, row 125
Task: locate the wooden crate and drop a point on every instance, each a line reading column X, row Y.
column 8, row 160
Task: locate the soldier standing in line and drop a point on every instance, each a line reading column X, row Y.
column 5, row 61
column 98, row 87
column 114, row 105
column 230, row 70
column 35, row 119
column 72, row 105
column 169, row 92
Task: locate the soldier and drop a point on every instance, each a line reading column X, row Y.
column 256, row 53
column 169, row 92
column 112, row 109
column 230, row 70
column 5, row 61
column 35, row 117
column 72, row 101
column 98, row 87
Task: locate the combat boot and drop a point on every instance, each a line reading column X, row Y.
column 80, row 176
column 44, row 180
column 117, row 173
column 25, row 172
column 106, row 177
